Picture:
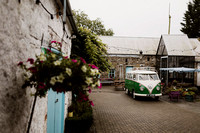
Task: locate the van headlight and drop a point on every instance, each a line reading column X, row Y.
column 158, row 88
column 142, row 88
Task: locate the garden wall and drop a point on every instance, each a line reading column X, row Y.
column 24, row 27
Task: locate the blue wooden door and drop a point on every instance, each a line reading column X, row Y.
column 55, row 108
column 55, row 113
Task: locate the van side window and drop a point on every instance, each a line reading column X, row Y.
column 136, row 77
column 131, row 76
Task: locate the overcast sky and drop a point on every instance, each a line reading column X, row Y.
column 135, row 18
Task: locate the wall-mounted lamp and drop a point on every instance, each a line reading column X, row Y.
column 141, row 54
column 72, row 36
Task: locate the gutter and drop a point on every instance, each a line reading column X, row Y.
column 61, row 4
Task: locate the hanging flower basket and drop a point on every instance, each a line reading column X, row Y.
column 58, row 72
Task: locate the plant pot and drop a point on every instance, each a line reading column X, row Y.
column 189, row 98
column 70, row 114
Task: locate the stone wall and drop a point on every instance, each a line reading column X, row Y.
column 145, row 61
column 24, row 24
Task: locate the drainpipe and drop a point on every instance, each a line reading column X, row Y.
column 31, row 116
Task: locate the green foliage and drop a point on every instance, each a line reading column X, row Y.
column 90, row 47
column 191, row 25
column 96, row 26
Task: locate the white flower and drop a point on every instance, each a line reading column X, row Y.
column 69, row 71
column 58, row 62
column 65, row 55
column 53, row 80
column 92, row 72
column 88, row 80
column 98, row 83
column 93, row 85
column 42, row 57
column 53, row 55
column 60, row 78
column 96, row 71
column 84, row 68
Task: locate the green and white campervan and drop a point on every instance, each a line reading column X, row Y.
column 143, row 83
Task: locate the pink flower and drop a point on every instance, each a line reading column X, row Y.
column 20, row 63
column 73, row 60
column 53, row 41
column 100, row 86
column 85, row 98
column 94, row 67
column 83, row 60
column 89, row 90
column 30, row 60
column 91, row 103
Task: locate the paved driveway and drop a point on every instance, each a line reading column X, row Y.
column 116, row 112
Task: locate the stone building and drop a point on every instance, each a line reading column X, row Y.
column 26, row 26
column 126, row 53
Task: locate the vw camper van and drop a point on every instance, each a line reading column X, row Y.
column 143, row 83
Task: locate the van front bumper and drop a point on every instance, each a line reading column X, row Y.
column 147, row 95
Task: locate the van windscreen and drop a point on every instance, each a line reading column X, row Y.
column 148, row 77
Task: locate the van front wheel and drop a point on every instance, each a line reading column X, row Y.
column 134, row 97
column 157, row 98
column 127, row 91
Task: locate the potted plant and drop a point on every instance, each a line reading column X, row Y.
column 58, row 72
column 189, row 95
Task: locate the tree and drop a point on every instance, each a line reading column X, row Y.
column 88, row 46
column 191, row 25
column 96, row 26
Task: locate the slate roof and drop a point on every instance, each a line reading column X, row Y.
column 177, row 45
column 130, row 45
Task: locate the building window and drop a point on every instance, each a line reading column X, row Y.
column 148, row 58
column 111, row 73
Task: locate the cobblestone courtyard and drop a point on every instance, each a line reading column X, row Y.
column 116, row 112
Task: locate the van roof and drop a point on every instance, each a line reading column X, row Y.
column 142, row 72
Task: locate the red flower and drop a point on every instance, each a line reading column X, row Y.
column 41, row 85
column 59, row 90
column 89, row 90
column 30, row 60
column 53, row 41
column 66, row 57
column 49, row 50
column 32, row 69
column 20, row 63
